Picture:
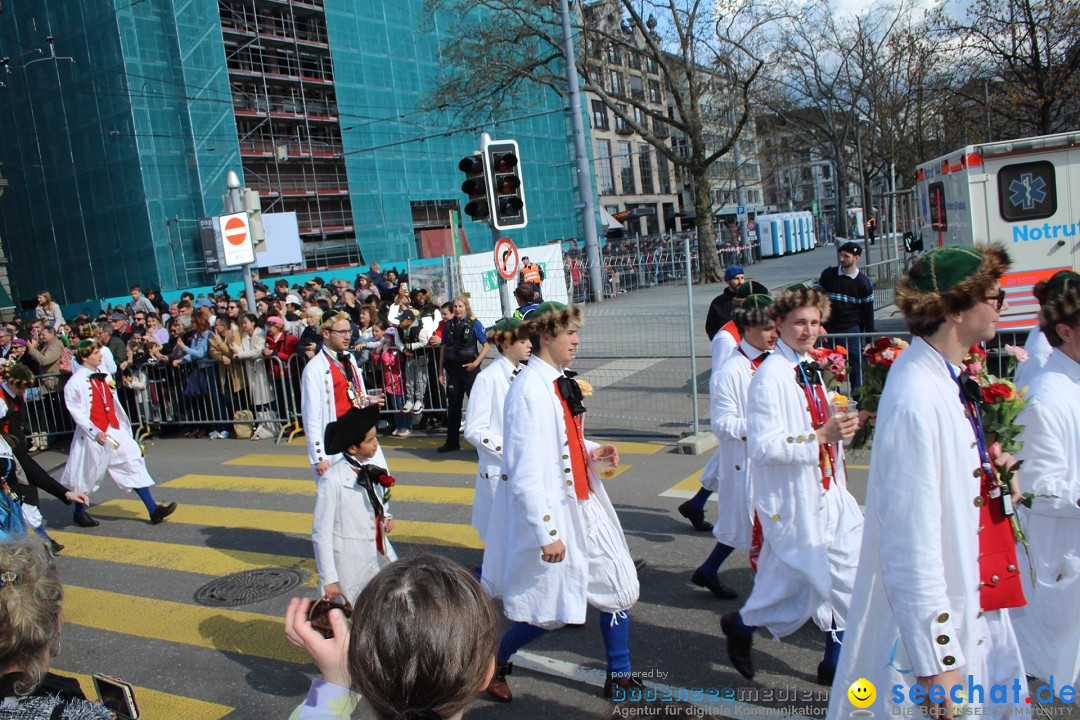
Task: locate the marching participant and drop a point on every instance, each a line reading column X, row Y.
column 484, row 416
column 939, row 563
column 554, row 543
column 1037, row 347
column 352, row 517
column 332, row 384
column 1048, row 629
column 103, row 441
column 727, row 396
column 810, row 523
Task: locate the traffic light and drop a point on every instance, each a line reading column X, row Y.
column 507, row 193
column 476, row 187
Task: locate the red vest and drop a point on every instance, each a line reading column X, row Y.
column 102, row 406
column 1000, row 584
column 342, row 402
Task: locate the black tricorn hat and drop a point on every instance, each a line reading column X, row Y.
column 350, row 429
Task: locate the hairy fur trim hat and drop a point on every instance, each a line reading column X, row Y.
column 753, row 310
column 1064, row 309
column 951, row 278
column 504, row 331
column 801, row 297
column 751, row 287
column 552, row 317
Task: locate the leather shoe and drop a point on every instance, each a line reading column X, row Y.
column 162, row 512
column 825, row 674
column 498, row 689
column 56, row 547
column 738, row 647
column 448, row 447
column 716, row 587
column 624, row 683
column 696, row 517
column 85, row 521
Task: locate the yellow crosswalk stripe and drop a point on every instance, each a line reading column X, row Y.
column 397, row 465
column 222, row 629
column 686, row 487
column 624, row 447
column 157, row 704
column 172, row 556
column 299, row 523
column 403, row 491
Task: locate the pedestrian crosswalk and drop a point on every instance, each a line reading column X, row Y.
column 253, row 510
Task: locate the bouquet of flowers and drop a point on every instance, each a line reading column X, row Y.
column 879, row 357
column 833, row 362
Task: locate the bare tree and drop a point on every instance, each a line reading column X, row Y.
column 1022, row 59
column 707, row 53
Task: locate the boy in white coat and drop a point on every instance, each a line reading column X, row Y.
column 484, row 416
column 103, row 441
column 810, row 524
column 728, row 389
column 352, row 516
column 1048, row 628
column 554, row 543
column 938, row 564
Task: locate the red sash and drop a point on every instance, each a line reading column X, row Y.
column 575, row 436
column 342, row 403
column 102, row 409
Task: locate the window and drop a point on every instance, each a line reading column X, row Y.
column 620, row 124
column 650, row 64
column 626, row 169
column 663, row 173
column 645, row 169
column 1027, row 191
column 637, row 87
column 938, row 220
column 633, row 60
column 641, row 118
column 654, row 91
column 599, row 115
column 616, row 82
column 613, row 55
column 605, row 177
column 752, row 197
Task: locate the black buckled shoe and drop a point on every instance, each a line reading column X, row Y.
column 625, row 684
column 85, row 521
column 498, row 689
column 825, row 674
column 738, row 647
column 162, row 512
column 716, row 587
column 696, row 517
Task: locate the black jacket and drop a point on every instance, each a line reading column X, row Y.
column 719, row 312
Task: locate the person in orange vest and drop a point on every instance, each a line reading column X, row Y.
column 532, row 273
column 938, row 571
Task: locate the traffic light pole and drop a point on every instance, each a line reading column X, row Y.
column 584, row 172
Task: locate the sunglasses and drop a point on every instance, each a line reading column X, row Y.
column 996, row 301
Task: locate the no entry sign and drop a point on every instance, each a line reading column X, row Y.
column 236, row 239
column 506, row 258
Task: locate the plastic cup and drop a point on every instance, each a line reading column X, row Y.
column 605, row 462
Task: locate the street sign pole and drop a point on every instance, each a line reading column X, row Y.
column 504, row 288
column 236, row 205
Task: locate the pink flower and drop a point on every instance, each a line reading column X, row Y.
column 994, row 450
column 888, row 354
column 1017, row 352
column 975, row 367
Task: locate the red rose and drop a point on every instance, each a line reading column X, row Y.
column 387, row 481
column 977, row 350
column 996, row 391
column 883, row 343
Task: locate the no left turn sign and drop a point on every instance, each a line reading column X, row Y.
column 506, row 258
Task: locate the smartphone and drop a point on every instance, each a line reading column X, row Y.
column 117, row 695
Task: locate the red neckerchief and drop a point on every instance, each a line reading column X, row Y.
column 575, row 437
column 756, row 362
column 818, row 405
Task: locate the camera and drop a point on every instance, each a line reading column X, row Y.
column 220, row 288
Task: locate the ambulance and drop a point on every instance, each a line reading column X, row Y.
column 1022, row 193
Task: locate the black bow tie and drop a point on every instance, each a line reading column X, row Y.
column 367, row 477
column 969, row 386
column 99, row 376
column 810, row 370
column 571, row 394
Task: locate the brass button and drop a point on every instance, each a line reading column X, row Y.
column 565, row 457
column 506, row 477
column 743, row 438
column 942, row 639
column 566, row 443
column 994, row 578
column 485, row 441
column 553, row 533
column 979, row 531
column 547, row 518
column 977, row 472
column 943, row 618
column 569, row 482
column 979, row 501
column 776, row 518
column 1012, row 568
column 566, row 469
column 800, row 438
column 737, row 467
column 948, row 660
column 498, row 448
column 790, row 439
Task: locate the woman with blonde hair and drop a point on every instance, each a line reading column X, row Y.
column 47, row 311
column 30, row 611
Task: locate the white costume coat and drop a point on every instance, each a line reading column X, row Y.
column 343, row 532
column 721, row 347
column 535, row 505
column 484, row 431
column 915, row 609
column 728, row 390
column 1038, row 349
column 318, row 409
column 810, row 535
column 88, row 461
column 1048, row 628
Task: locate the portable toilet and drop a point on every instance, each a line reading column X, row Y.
column 811, row 231
column 805, row 232
column 770, row 235
column 789, row 233
column 800, row 232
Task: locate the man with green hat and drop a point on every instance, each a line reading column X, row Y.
column 939, row 568
column 727, row 409
column 721, row 346
column 484, row 415
column 1037, row 346
column 554, row 545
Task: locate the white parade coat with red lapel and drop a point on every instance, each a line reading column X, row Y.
column 318, row 409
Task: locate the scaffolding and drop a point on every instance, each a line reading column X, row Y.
column 282, row 79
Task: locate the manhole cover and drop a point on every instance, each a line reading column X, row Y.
column 248, row 587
